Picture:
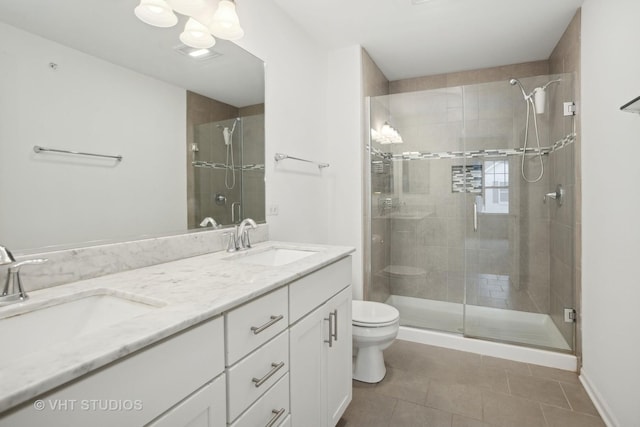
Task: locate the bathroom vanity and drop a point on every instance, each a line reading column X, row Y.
column 257, row 338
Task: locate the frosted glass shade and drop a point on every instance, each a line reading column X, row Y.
column 225, row 23
column 156, row 13
column 196, row 35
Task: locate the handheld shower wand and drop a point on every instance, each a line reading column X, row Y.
column 536, row 100
column 227, row 134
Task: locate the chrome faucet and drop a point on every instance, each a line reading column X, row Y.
column 13, row 291
column 239, row 238
column 243, row 233
column 210, row 221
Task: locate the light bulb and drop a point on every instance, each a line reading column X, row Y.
column 156, row 13
column 196, row 35
column 225, row 23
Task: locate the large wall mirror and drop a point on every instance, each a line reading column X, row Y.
column 88, row 76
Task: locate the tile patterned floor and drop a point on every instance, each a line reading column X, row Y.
column 430, row 386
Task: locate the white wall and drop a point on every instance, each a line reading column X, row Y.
column 345, row 105
column 295, row 120
column 87, row 105
column 611, row 206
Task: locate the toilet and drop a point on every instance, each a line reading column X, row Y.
column 375, row 326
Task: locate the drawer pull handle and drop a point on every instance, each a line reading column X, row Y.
column 276, row 414
column 257, row 329
column 333, row 327
column 275, row 368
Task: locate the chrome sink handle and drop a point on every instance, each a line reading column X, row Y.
column 13, row 290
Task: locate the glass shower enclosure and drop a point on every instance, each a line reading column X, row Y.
column 468, row 234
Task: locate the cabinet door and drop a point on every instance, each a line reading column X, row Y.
column 339, row 363
column 204, row 408
column 307, row 366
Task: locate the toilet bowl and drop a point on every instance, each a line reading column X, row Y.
column 375, row 326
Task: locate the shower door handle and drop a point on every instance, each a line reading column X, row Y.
column 475, row 216
column 233, row 211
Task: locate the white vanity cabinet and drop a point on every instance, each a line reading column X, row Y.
column 282, row 359
column 321, row 346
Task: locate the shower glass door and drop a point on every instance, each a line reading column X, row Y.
column 417, row 221
column 518, row 244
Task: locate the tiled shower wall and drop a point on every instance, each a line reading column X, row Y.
column 200, row 111
column 428, row 222
column 203, row 114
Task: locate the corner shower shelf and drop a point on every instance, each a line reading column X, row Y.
column 632, row 106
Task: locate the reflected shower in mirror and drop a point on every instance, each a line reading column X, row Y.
column 117, row 87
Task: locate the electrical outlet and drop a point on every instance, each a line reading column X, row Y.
column 273, row 210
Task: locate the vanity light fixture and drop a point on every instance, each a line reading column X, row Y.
column 206, row 19
column 156, row 13
column 387, row 135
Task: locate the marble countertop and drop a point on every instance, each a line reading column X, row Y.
column 187, row 291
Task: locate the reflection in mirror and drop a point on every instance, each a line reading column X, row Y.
column 87, row 75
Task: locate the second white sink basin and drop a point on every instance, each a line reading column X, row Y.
column 272, row 256
column 35, row 330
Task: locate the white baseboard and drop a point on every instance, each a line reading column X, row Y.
column 598, row 402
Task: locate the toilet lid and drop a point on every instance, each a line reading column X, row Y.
column 373, row 313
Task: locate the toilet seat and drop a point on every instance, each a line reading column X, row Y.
column 373, row 314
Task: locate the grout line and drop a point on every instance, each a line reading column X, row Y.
column 543, row 414
column 565, row 396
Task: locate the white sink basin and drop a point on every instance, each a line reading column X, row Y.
column 37, row 329
column 272, row 256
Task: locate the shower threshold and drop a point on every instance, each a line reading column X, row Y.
column 508, row 326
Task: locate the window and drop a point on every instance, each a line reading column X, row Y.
column 496, row 186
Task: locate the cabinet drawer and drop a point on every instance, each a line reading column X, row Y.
column 253, row 324
column 313, row 290
column 269, row 363
column 204, row 408
column 272, row 408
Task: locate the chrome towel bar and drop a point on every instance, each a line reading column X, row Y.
column 280, row 156
column 39, row 149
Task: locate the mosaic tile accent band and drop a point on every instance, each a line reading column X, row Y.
column 500, row 152
column 210, row 165
column 466, row 179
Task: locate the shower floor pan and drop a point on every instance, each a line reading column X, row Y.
column 503, row 325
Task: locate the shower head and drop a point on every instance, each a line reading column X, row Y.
column 514, row 82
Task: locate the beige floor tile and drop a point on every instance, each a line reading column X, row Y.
column 455, row 398
column 405, row 385
column 579, row 399
column 407, row 414
column 460, row 421
column 539, row 389
column 369, row 409
column 554, row 374
column 557, row 417
column 406, row 355
column 510, row 411
column 510, row 366
column 489, row 378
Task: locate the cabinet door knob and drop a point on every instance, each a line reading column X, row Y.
column 274, row 319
